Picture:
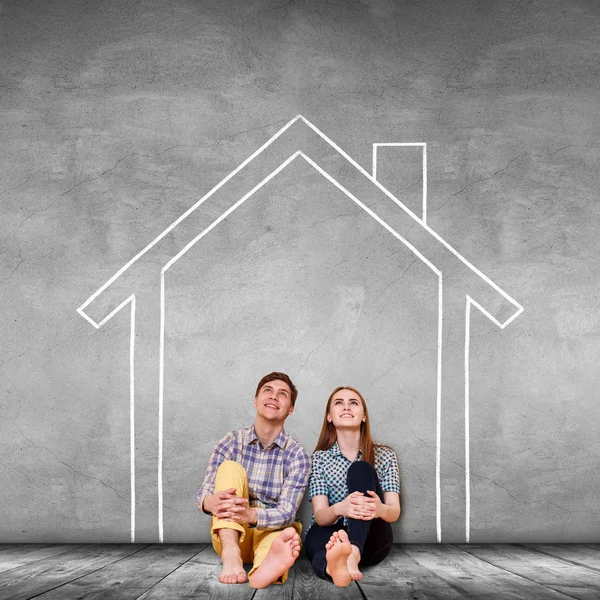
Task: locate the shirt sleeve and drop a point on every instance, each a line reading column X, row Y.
column 292, row 490
column 223, row 451
column 317, row 485
column 390, row 476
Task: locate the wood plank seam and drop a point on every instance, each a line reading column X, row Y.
column 86, row 574
column 173, row 571
column 456, row 588
column 517, row 574
column 565, row 560
column 33, row 562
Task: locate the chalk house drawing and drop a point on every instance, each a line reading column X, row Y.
column 299, row 138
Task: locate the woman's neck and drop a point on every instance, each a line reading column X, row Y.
column 349, row 443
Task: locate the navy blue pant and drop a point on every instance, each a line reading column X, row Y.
column 373, row 538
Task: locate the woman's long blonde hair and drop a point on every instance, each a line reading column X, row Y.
column 328, row 435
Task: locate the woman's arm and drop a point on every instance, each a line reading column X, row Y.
column 328, row 514
column 388, row 510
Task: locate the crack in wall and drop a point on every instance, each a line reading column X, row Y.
column 478, row 181
column 69, row 466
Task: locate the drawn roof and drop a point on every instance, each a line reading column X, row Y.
column 299, row 138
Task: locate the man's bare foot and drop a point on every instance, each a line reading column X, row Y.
column 353, row 560
column 233, row 567
column 338, row 550
column 282, row 555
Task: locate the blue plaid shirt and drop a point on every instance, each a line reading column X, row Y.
column 277, row 474
column 330, row 471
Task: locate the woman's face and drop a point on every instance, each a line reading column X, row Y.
column 346, row 410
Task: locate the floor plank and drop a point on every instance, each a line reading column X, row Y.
column 476, row 578
column 17, row 556
column 412, row 571
column 304, row 584
column 553, row 573
column 578, row 554
column 36, row 578
column 128, row 578
column 197, row 579
column 400, row 576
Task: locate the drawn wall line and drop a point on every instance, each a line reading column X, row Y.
column 438, row 415
column 370, row 177
column 467, row 420
column 132, row 414
column 422, row 145
column 425, row 226
column 175, row 258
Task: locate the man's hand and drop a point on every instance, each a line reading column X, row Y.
column 228, row 506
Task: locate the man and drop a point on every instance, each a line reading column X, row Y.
column 254, row 483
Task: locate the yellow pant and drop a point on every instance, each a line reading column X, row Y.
column 254, row 543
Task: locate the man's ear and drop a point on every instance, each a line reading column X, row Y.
column 291, row 410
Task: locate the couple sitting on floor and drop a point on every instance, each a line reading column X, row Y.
column 256, row 478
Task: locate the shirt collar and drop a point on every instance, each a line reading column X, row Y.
column 335, row 451
column 281, row 439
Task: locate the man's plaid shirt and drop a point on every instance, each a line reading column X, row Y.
column 277, row 474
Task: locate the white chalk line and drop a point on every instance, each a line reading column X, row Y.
column 132, row 414
column 357, row 166
column 422, row 145
column 161, row 387
column 80, row 310
column 438, row 412
column 212, row 226
column 420, row 221
column 178, row 220
column 467, row 421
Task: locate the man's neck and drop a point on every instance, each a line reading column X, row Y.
column 349, row 442
column 267, row 431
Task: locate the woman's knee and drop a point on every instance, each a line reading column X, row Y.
column 362, row 476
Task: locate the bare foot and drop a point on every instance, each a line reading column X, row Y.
column 353, row 560
column 233, row 567
column 338, row 551
column 282, row 555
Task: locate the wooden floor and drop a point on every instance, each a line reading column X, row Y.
column 420, row 572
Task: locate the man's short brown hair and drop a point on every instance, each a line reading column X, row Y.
column 281, row 377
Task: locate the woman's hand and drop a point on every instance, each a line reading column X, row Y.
column 351, row 506
column 374, row 507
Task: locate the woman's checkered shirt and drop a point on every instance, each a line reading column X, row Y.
column 330, row 469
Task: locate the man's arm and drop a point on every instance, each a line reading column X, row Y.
column 291, row 494
column 223, row 451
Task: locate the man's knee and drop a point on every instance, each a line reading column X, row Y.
column 231, row 474
column 230, row 466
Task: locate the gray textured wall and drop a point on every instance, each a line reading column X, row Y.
column 117, row 116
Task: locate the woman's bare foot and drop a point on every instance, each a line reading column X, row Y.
column 282, row 555
column 233, row 567
column 338, row 550
column 353, row 561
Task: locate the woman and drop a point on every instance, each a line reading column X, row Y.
column 354, row 488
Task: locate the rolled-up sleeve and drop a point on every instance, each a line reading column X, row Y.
column 390, row 476
column 292, row 491
column 317, row 484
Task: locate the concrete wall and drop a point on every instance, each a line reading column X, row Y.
column 118, row 116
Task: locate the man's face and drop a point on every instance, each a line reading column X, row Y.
column 274, row 401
